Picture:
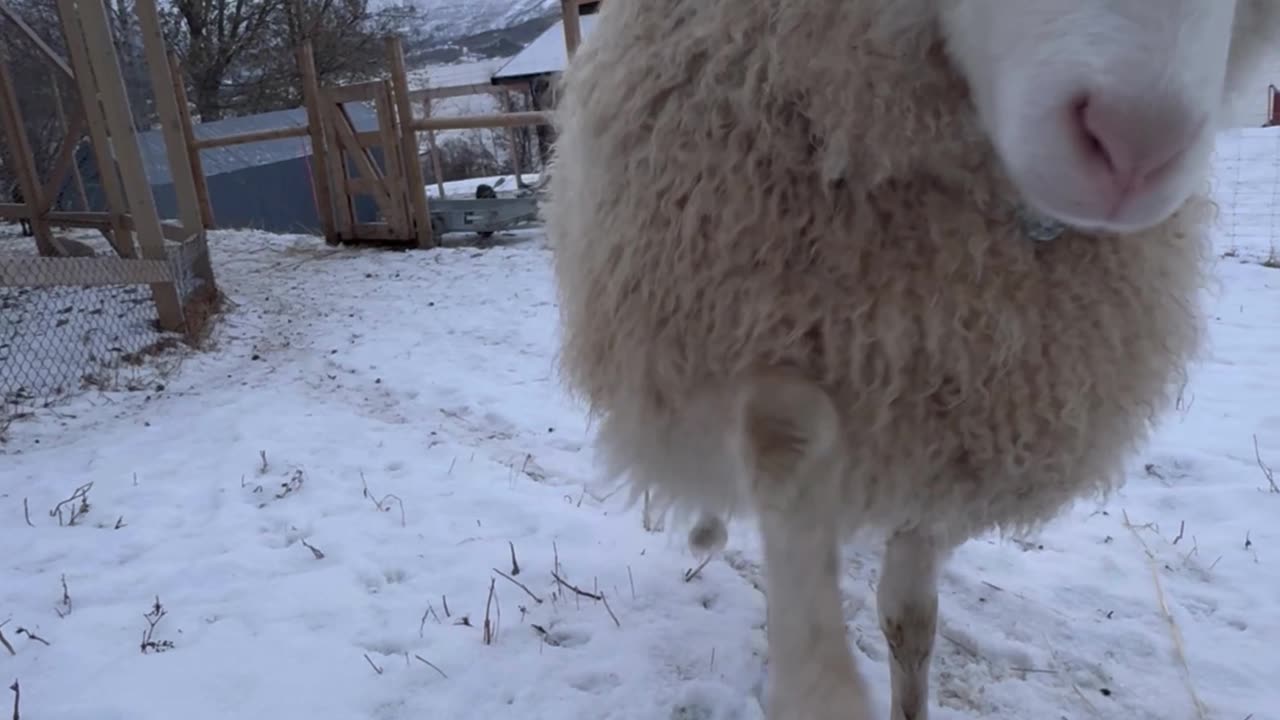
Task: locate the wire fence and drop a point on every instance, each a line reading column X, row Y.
column 88, row 319
column 80, row 328
column 1246, row 187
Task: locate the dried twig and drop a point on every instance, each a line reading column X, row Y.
column 632, row 579
column 1182, row 527
column 690, row 574
column 515, row 566
column 429, row 612
column 314, row 550
column 605, row 600
column 17, row 699
column 26, row 512
column 1174, row 632
column 372, row 664
column 5, row 642
column 292, row 485
column 383, row 505
column 1267, row 471
column 32, row 636
column 520, row 585
column 489, row 631
column 575, row 589
column 78, row 504
column 153, row 619
column 431, row 665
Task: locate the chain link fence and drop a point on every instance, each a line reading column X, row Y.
column 85, row 323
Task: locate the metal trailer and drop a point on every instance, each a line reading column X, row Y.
column 486, row 213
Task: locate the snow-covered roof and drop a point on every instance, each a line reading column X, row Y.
column 454, row 75
column 545, row 55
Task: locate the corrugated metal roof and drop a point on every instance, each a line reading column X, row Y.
column 545, row 55
column 221, row 160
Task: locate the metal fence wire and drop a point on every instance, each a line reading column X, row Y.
column 79, row 328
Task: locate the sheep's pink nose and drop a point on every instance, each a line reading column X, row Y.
column 1131, row 142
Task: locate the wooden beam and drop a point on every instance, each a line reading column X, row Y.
column 417, row 187
column 513, row 137
column 63, row 163
column 392, row 167
column 344, row 216
column 60, row 108
column 437, row 164
column 124, row 139
column 297, row 131
column 175, row 142
column 452, row 91
column 82, row 272
column 73, row 33
column 572, row 20
column 355, row 92
column 20, row 154
column 189, row 138
column 364, row 164
column 36, row 40
column 320, row 168
column 498, row 120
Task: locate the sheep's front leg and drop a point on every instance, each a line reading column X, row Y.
column 908, row 601
column 789, row 432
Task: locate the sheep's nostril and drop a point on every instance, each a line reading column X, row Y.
column 1133, row 140
column 1093, row 144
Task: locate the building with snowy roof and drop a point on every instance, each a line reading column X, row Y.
column 265, row 185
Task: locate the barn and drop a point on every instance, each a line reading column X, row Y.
column 263, row 185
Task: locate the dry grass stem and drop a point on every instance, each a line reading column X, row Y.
column 520, row 585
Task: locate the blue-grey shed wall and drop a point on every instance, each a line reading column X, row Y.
column 277, row 197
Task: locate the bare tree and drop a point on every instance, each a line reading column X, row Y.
column 240, row 55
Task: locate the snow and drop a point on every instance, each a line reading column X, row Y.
column 342, row 381
column 546, row 54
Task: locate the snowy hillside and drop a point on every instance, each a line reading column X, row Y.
column 371, row 498
column 452, row 18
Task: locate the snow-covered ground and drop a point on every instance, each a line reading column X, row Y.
column 323, row 501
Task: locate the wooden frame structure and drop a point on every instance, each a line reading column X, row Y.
column 131, row 222
column 382, row 164
column 346, row 163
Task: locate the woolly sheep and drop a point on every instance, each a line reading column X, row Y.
column 927, row 268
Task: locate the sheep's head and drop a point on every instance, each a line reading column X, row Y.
column 1104, row 112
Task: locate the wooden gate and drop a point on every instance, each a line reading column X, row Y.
column 370, row 163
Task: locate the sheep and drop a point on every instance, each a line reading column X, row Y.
column 919, row 269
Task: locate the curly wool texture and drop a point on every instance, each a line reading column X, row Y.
column 804, row 185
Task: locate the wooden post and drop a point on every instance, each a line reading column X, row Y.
column 177, row 149
column 189, row 136
column 433, row 149
column 62, row 163
column 121, row 235
column 75, row 163
column 393, row 172
column 409, row 146
column 20, row 147
column 571, row 17
column 142, row 206
column 320, row 168
column 513, row 136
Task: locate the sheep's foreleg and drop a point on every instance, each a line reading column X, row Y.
column 908, row 600
column 789, row 430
